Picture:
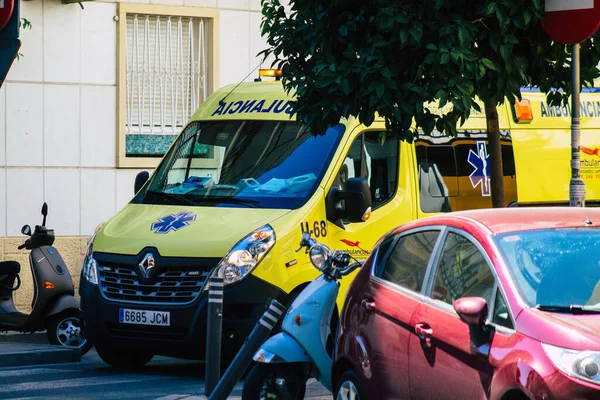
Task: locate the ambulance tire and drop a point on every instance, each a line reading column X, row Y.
column 123, row 359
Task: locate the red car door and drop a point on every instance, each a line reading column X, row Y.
column 389, row 300
column 443, row 364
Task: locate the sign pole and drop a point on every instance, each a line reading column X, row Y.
column 577, row 185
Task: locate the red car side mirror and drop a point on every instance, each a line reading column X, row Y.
column 472, row 310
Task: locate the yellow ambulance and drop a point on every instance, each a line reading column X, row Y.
column 243, row 181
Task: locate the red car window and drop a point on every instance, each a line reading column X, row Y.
column 462, row 272
column 407, row 263
column 501, row 315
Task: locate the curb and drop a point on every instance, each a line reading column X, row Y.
column 19, row 354
column 18, row 337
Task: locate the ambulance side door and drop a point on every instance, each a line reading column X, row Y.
column 380, row 161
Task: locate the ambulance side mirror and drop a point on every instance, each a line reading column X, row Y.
column 352, row 204
column 140, row 180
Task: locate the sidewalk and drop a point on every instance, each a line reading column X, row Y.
column 19, row 354
column 19, row 349
column 18, row 337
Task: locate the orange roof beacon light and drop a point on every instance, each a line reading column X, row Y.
column 269, row 73
column 522, row 111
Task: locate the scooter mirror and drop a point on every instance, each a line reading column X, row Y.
column 26, row 230
column 44, row 213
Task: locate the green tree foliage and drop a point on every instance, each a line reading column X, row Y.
column 347, row 58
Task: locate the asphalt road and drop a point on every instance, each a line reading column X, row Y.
column 92, row 379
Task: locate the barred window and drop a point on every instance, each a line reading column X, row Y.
column 167, row 68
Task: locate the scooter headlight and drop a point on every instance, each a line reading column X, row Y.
column 319, row 256
column 246, row 255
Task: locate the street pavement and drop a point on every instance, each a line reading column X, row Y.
column 163, row 378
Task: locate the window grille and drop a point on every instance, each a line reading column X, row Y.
column 166, row 64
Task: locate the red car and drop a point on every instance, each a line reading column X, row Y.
column 486, row 304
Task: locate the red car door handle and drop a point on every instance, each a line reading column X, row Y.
column 368, row 305
column 424, row 332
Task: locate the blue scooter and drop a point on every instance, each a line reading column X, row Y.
column 303, row 349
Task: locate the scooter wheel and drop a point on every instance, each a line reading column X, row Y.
column 64, row 329
column 274, row 381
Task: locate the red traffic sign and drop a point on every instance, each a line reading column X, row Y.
column 6, row 11
column 8, row 50
column 571, row 21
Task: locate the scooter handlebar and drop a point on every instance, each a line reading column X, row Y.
column 26, row 245
column 351, row 267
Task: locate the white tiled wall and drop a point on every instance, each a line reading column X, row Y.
column 235, row 28
column 125, row 182
column 98, row 27
column 235, row 4
column 24, row 124
column 200, row 3
column 2, row 203
column 62, row 41
column 58, row 110
column 61, row 192
column 255, row 5
column 98, row 194
column 24, row 195
column 2, row 129
column 257, row 43
column 61, row 125
column 98, row 126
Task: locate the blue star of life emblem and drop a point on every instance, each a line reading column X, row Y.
column 173, row 222
column 481, row 174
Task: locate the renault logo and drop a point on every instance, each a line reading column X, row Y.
column 147, row 265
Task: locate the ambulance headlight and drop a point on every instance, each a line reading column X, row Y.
column 245, row 255
column 90, row 271
column 90, row 268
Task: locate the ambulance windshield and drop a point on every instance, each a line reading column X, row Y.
column 266, row 164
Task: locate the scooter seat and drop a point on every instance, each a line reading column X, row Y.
column 9, row 268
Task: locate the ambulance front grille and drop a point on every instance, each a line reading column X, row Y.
column 173, row 285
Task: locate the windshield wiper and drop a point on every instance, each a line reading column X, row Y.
column 176, row 196
column 572, row 309
column 231, row 200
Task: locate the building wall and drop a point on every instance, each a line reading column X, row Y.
column 58, row 110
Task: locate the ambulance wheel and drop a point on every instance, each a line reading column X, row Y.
column 119, row 358
column 274, row 381
column 64, row 329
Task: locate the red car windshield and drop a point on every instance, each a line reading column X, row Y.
column 554, row 267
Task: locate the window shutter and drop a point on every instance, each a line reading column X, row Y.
column 166, row 72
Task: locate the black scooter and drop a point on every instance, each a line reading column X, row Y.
column 54, row 306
